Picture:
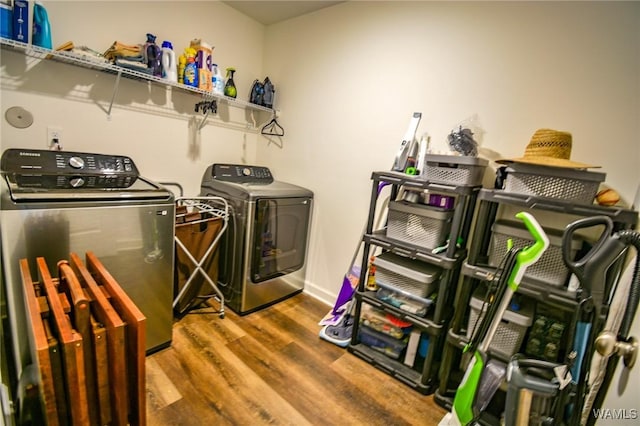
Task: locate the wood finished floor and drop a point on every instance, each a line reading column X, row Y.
column 270, row 367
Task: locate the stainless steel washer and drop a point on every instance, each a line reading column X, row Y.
column 56, row 202
column 263, row 253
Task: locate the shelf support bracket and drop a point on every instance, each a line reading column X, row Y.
column 208, row 107
column 113, row 95
column 204, row 120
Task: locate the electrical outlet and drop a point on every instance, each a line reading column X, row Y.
column 54, row 137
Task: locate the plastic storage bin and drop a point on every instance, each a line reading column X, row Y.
column 384, row 322
column 512, row 328
column 381, row 342
column 550, row 268
column 423, row 226
column 578, row 186
column 411, row 276
column 455, row 170
column 404, row 301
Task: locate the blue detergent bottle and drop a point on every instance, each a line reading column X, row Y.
column 41, row 27
column 191, row 72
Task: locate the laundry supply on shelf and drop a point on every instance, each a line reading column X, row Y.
column 6, row 20
column 182, row 64
column 82, row 52
column 21, row 21
column 190, row 76
column 217, row 80
column 230, row 86
column 169, row 65
column 269, row 93
column 133, row 65
column 203, row 60
column 121, row 50
column 257, row 92
column 262, row 93
column 152, row 54
column 41, row 27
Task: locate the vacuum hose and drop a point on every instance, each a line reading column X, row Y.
column 631, row 238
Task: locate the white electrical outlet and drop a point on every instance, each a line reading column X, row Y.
column 54, row 137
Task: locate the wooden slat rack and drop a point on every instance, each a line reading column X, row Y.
column 88, row 344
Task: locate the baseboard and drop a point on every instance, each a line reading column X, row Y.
column 319, row 293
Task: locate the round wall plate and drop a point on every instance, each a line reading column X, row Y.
column 18, row 117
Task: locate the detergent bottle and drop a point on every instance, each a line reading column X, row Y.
column 203, row 63
column 152, row 55
column 41, row 28
column 191, row 69
column 217, row 81
column 169, row 66
column 182, row 64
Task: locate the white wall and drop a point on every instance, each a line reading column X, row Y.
column 149, row 123
column 349, row 77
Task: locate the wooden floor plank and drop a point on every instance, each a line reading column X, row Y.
column 233, row 385
column 391, row 394
column 270, row 367
column 158, row 380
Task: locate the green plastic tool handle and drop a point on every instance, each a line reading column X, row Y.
column 531, row 254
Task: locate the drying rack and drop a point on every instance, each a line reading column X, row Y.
column 207, row 207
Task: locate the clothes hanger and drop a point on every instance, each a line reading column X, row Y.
column 272, row 128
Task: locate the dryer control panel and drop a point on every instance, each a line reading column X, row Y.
column 66, row 162
column 240, row 173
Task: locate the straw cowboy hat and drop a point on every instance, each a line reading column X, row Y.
column 549, row 147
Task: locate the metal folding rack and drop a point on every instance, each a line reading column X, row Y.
column 207, row 208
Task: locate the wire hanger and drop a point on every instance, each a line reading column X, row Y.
column 272, row 128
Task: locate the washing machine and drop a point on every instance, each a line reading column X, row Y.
column 263, row 253
column 57, row 202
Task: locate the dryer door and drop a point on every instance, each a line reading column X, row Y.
column 281, row 230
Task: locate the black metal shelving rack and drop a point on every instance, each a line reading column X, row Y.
column 450, row 261
column 475, row 270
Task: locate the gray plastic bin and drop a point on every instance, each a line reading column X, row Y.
column 412, row 276
column 418, row 224
column 550, row 268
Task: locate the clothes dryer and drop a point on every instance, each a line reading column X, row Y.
column 264, row 251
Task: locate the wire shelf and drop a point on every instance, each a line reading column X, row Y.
column 88, row 62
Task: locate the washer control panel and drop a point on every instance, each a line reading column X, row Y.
column 62, row 162
column 240, row 173
column 80, row 181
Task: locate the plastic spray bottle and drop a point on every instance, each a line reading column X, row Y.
column 230, row 86
column 41, row 27
column 169, row 66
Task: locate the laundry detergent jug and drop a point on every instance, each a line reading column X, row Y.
column 41, row 28
column 169, row 65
